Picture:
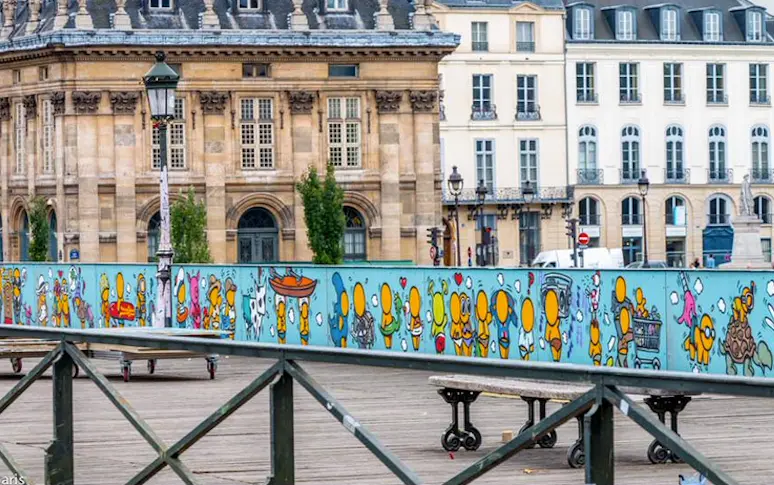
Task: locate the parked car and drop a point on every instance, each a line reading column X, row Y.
column 590, row 258
column 651, row 265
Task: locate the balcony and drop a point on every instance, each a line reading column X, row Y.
column 631, row 219
column 480, row 46
column 761, row 176
column 630, row 97
column 719, row 176
column 590, row 220
column 586, row 97
column 719, row 219
column 590, row 176
column 509, row 195
column 525, row 46
column 677, row 175
column 483, row 112
column 528, row 113
column 631, row 176
column 677, row 98
column 760, row 99
column 717, row 98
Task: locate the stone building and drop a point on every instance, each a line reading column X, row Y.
column 268, row 88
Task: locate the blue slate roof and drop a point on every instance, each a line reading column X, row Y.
column 489, row 4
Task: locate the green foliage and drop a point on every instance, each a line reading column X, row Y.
column 324, row 215
column 39, row 229
column 188, row 219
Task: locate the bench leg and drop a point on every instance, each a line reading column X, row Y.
column 576, row 456
column 530, row 415
column 658, row 453
column 453, row 437
column 549, row 440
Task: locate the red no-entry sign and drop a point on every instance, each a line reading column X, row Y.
column 583, row 239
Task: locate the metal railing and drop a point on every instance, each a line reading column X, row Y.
column 525, row 46
column 761, row 176
column 760, row 99
column 674, row 98
column 630, row 176
column 528, row 113
column 719, row 176
column 630, row 97
column 483, row 112
column 590, row 176
column 677, row 175
column 594, row 408
column 512, row 195
column 716, row 98
column 585, row 96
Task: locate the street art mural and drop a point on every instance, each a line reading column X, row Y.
column 687, row 320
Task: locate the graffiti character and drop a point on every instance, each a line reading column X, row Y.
column 704, row 336
column 229, row 312
column 63, row 304
column 461, row 328
column 182, row 309
column 104, row 287
column 440, row 319
column 7, row 297
column 553, row 333
column 82, row 309
column 303, row 327
column 526, row 340
column 195, row 312
column 740, row 347
column 623, row 321
column 41, row 291
column 389, row 323
column 17, row 296
column 254, row 308
column 484, row 319
column 215, row 299
column 121, row 310
column 504, row 316
column 363, row 325
column 142, row 307
column 338, row 321
column 595, row 333
column 642, row 309
column 416, row 327
column 282, row 317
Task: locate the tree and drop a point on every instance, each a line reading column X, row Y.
column 39, row 229
column 188, row 219
column 324, row 215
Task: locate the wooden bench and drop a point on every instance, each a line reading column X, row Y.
column 464, row 389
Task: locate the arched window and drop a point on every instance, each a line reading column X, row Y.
column 674, row 154
column 670, row 25
column 631, row 213
column 154, row 233
column 762, row 208
column 588, row 212
column 719, row 210
column 675, row 212
column 760, row 154
column 24, row 237
column 587, row 155
column 630, row 154
column 584, row 22
column 53, row 251
column 354, row 235
column 717, row 154
column 258, row 236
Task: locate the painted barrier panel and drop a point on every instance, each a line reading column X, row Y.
column 689, row 320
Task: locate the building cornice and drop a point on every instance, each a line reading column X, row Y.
column 658, row 50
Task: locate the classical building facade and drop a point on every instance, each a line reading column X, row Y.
column 268, row 88
column 503, row 122
column 681, row 91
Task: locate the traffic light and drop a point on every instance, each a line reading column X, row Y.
column 432, row 236
column 571, row 228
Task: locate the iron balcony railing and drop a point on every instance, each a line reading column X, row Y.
column 716, row 98
column 589, row 219
column 590, row 176
column 630, row 97
column 762, row 176
column 483, row 112
column 761, row 99
column 584, row 96
column 594, row 409
column 507, row 195
column 719, row 175
column 525, row 46
column 631, row 219
column 480, row 46
column 630, row 176
column 674, row 98
column 528, row 113
column 719, row 219
column 677, row 175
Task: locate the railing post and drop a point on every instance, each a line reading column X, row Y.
column 599, row 444
column 59, row 454
column 282, row 454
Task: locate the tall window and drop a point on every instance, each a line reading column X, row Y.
column 20, row 127
column 587, row 149
column 716, row 91
column 754, row 26
column 712, row 26
column 630, row 154
column 628, row 82
column 354, row 235
column 584, row 82
column 673, row 82
column 582, row 17
column 759, row 84
column 529, row 236
column 257, row 133
column 528, row 161
column 344, row 132
column 717, row 154
column 154, row 231
column 674, row 211
column 631, row 213
column 161, row 4
column 479, row 37
column 53, row 244
column 48, row 137
column 485, row 163
column 674, row 154
column 675, row 215
column 482, row 93
column 249, row 4
column 336, row 5
column 525, row 36
column 760, row 154
column 588, row 212
column 526, row 95
column 719, row 212
column 669, row 24
column 625, row 25
column 175, row 139
column 762, row 207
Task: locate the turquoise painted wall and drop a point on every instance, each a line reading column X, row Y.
column 700, row 321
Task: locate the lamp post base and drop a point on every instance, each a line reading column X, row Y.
column 164, row 277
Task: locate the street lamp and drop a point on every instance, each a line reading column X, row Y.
column 455, row 188
column 160, row 84
column 528, row 192
column 481, row 192
column 644, row 184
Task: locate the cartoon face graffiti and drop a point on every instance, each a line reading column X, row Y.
column 303, row 311
column 623, row 321
column 416, row 327
column 254, row 308
column 363, row 326
column 104, row 293
column 390, row 324
column 194, row 282
column 526, row 339
column 484, row 319
column 553, row 335
column 704, row 335
column 41, row 291
column 440, row 320
column 280, row 307
column 229, row 310
column 504, row 317
column 461, row 328
column 214, row 300
column 180, row 293
column 17, row 296
column 8, row 297
column 338, row 321
column 142, row 307
column 63, row 304
column 739, row 346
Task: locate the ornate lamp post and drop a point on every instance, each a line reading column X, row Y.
column 481, row 192
column 644, row 184
column 160, row 84
column 455, row 188
column 528, row 192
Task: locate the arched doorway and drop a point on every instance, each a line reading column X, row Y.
column 24, row 237
column 257, row 236
column 53, row 250
column 354, row 235
column 154, row 235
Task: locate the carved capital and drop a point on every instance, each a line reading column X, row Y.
column 213, row 102
column 5, row 109
column 86, row 102
column 124, row 102
column 423, row 100
column 30, row 106
column 58, row 102
column 388, row 101
column 301, row 102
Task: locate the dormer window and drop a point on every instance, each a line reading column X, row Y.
column 336, row 5
column 249, row 4
column 583, row 26
column 669, row 24
column 160, row 4
column 754, row 26
column 625, row 25
column 712, row 31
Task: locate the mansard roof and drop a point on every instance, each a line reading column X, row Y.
column 495, row 4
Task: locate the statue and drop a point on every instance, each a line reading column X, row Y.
column 747, row 204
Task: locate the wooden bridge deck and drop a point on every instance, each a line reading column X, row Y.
column 398, row 406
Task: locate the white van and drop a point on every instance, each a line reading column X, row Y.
column 589, row 258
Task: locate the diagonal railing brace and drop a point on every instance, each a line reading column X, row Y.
column 31, row 377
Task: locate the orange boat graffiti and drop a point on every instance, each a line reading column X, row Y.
column 291, row 284
column 122, row 310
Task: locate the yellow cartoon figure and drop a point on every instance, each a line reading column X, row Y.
column 63, row 304
column 440, row 319
column 623, row 321
column 42, row 291
column 389, row 323
column 229, row 313
column 104, row 286
column 455, row 311
column 142, row 307
column 303, row 310
column 704, row 336
column 526, row 339
column 595, row 345
column 642, row 310
column 416, row 327
column 484, row 318
column 212, row 314
column 553, row 333
column 182, row 309
column 282, row 318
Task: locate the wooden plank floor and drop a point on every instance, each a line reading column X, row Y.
column 398, row 406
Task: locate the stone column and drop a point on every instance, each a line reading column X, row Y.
column 31, row 140
column 213, row 107
column 124, row 105
column 388, row 104
column 426, row 158
column 5, row 143
column 58, row 107
column 86, row 106
column 303, row 133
